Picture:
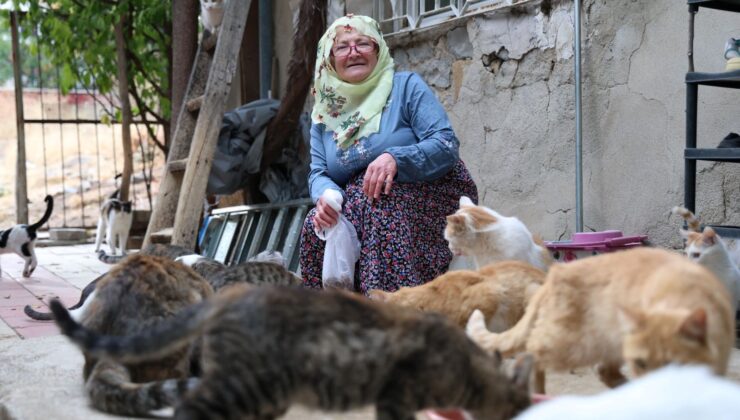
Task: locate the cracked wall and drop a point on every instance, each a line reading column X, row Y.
column 507, row 82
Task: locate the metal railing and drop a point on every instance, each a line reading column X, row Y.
column 74, row 150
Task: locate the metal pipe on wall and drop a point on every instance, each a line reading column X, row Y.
column 579, row 139
column 265, row 46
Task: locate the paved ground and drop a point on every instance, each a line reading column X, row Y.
column 40, row 371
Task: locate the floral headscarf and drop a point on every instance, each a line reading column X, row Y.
column 351, row 110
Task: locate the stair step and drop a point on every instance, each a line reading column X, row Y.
column 194, row 104
column 163, row 236
column 178, row 165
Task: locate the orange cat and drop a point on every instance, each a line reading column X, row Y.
column 645, row 306
column 500, row 290
column 486, row 236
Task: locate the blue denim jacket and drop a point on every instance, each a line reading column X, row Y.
column 414, row 128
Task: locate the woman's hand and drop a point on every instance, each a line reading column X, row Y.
column 325, row 216
column 379, row 176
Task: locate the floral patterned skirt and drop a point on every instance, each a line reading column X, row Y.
column 401, row 234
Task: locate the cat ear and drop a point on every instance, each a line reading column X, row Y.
column 685, row 233
column 694, row 327
column 466, row 202
column 377, row 294
column 630, row 319
column 523, row 371
column 709, row 236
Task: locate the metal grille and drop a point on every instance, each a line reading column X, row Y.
column 397, row 16
column 234, row 234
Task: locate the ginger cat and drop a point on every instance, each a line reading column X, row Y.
column 647, row 307
column 500, row 290
column 487, row 236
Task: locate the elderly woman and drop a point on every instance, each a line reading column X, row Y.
column 382, row 138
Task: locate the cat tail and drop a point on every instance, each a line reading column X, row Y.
column 111, row 391
column 49, row 207
column 511, row 341
column 156, row 342
column 692, row 222
column 109, row 259
column 48, row 316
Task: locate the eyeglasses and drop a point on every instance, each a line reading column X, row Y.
column 363, row 47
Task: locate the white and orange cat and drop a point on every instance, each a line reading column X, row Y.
column 645, row 306
column 487, row 236
column 500, row 290
column 708, row 249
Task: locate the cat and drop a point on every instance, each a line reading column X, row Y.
column 21, row 239
column 487, row 237
column 265, row 348
column 133, row 296
column 211, row 14
column 157, row 250
column 645, row 306
column 500, row 290
column 115, row 221
column 709, row 249
column 258, row 270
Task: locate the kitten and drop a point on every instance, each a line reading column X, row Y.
column 487, row 237
column 265, row 348
column 709, row 249
column 500, row 290
column 115, row 220
column 211, row 14
column 156, row 250
column 21, row 239
column 646, row 306
column 131, row 298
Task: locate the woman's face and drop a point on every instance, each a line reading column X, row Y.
column 359, row 61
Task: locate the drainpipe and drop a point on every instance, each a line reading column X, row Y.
column 579, row 145
column 265, row 46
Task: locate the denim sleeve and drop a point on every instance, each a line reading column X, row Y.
column 318, row 177
column 437, row 149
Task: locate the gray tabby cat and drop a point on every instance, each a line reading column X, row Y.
column 157, row 250
column 265, row 348
column 133, row 296
column 262, row 269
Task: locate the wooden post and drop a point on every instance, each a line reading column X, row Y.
column 21, row 183
column 126, row 118
column 205, row 136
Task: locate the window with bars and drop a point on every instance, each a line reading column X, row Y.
column 404, row 15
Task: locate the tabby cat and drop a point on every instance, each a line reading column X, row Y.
column 133, row 296
column 500, row 290
column 258, row 270
column 709, row 249
column 646, row 306
column 265, row 348
column 156, row 250
column 487, row 236
column 21, row 239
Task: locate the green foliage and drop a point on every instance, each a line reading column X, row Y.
column 31, row 71
column 78, row 36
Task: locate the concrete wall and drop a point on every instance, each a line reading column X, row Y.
column 507, row 81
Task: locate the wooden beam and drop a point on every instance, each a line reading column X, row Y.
column 205, row 136
column 21, row 182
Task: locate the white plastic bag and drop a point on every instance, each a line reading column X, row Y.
column 342, row 247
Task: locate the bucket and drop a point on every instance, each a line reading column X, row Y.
column 586, row 244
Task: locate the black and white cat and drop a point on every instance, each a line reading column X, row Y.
column 115, row 220
column 21, row 239
column 211, row 14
